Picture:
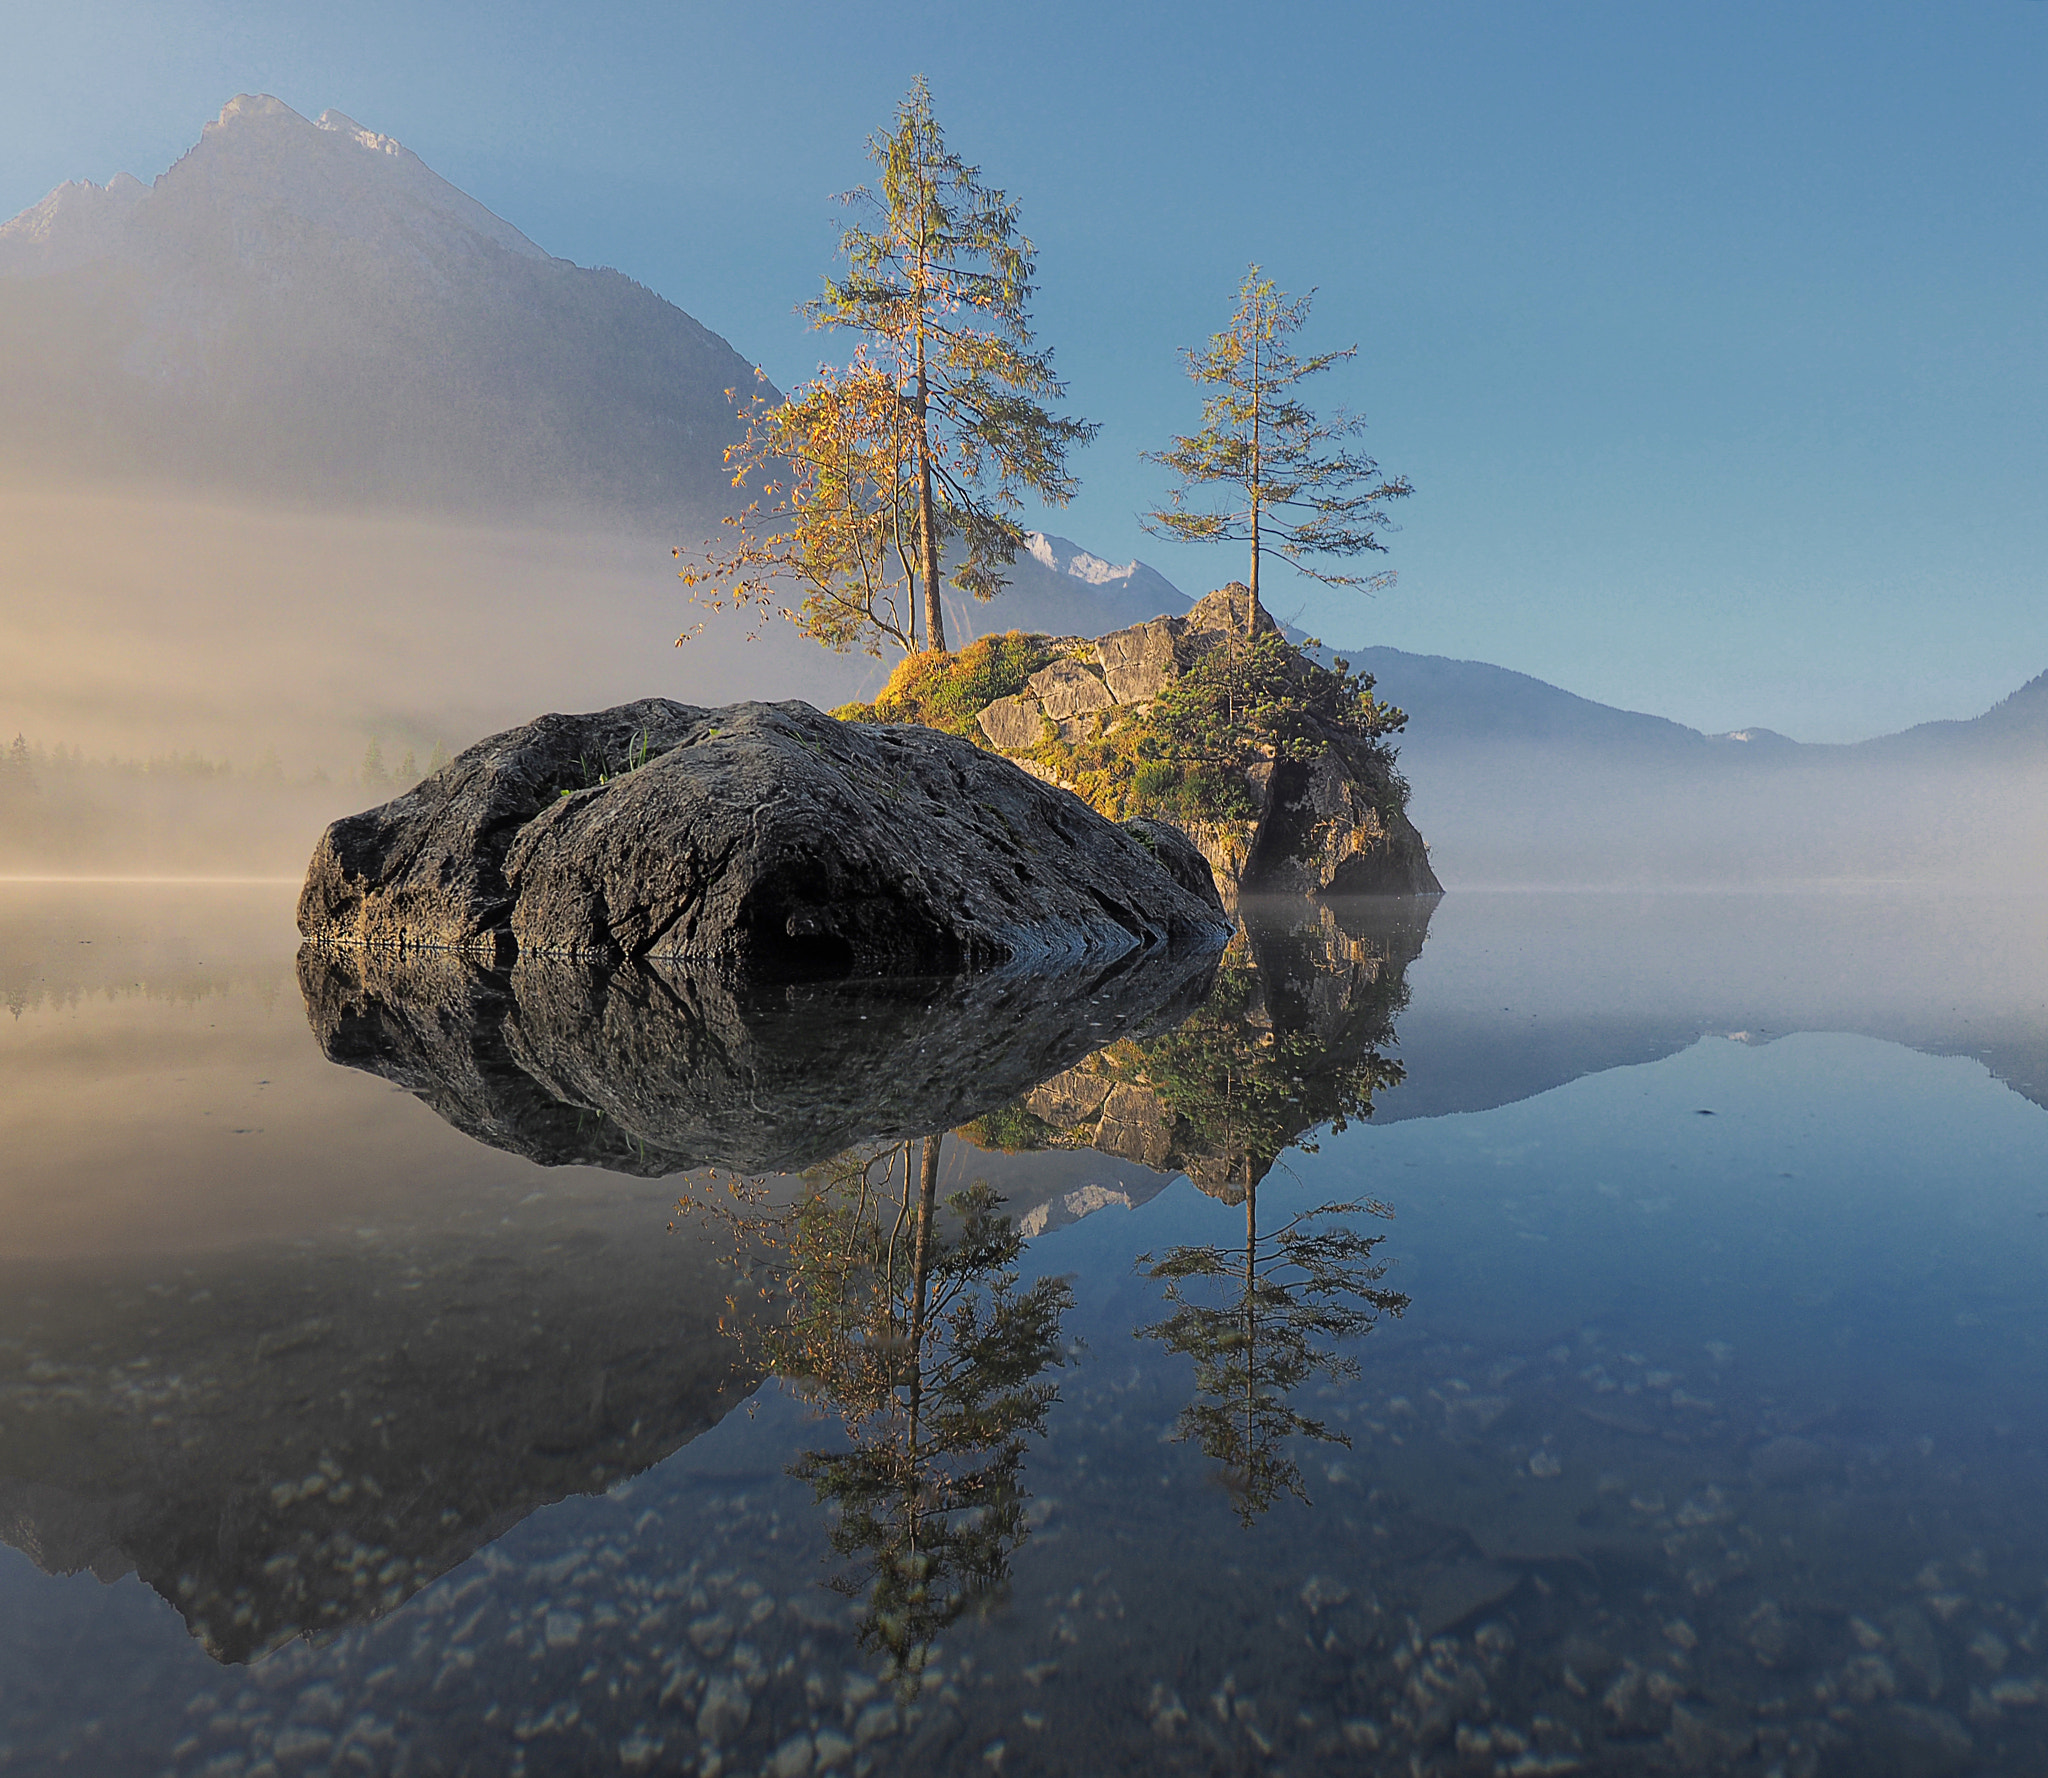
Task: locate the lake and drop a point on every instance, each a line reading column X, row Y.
column 1516, row 1334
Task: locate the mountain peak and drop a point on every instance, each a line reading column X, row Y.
column 258, row 159
column 1064, row 557
column 304, row 307
column 246, row 109
column 342, row 124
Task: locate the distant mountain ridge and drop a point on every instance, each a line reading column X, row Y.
column 304, row 310
column 1467, row 703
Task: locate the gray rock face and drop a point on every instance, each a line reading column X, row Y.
column 1320, row 832
column 1016, row 725
column 1138, row 662
column 767, row 837
column 1229, row 610
column 1067, row 689
column 1322, row 827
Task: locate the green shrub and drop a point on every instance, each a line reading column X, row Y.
column 1184, row 759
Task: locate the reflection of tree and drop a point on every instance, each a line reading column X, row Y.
column 1246, row 1081
column 905, row 1319
column 1292, row 1294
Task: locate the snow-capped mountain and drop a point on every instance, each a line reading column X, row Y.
column 305, row 309
column 1057, row 586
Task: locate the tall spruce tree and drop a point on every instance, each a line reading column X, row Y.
column 1286, row 480
column 870, row 476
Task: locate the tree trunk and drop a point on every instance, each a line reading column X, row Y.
column 1258, row 465
column 1251, row 1329
column 927, row 520
column 920, row 1287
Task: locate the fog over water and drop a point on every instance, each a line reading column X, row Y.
column 252, row 654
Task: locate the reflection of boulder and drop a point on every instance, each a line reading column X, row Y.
column 1291, row 1037
column 299, row 1438
column 767, row 836
column 651, row 1070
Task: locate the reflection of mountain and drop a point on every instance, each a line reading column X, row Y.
column 1523, row 993
column 300, row 1437
column 1293, row 1036
column 650, row 1070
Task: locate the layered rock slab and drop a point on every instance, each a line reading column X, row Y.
column 762, row 836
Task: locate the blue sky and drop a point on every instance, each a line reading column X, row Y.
column 1712, row 338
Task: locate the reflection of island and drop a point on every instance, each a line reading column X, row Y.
column 902, row 1316
column 296, row 1436
column 1292, row 1037
column 651, row 1070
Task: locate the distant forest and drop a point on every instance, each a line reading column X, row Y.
column 63, row 811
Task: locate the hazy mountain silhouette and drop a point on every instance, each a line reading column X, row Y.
column 1466, row 703
column 1519, row 782
column 303, row 310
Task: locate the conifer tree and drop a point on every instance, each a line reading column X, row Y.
column 18, row 778
column 928, row 443
column 1286, row 480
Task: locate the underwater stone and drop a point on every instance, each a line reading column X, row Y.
column 710, row 1636
column 638, row 1752
column 1915, row 1742
column 1319, row 1595
column 874, row 1723
column 792, row 1759
column 726, row 1709
column 1989, row 1648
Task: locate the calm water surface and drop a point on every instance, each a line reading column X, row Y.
column 1532, row 1334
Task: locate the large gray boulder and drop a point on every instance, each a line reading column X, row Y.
column 766, row 837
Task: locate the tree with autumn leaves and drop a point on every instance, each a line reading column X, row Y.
column 862, row 487
column 872, row 477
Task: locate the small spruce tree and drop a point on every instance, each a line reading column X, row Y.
column 1286, row 480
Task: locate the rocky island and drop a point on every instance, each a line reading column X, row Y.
column 1030, row 801
column 1278, row 769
